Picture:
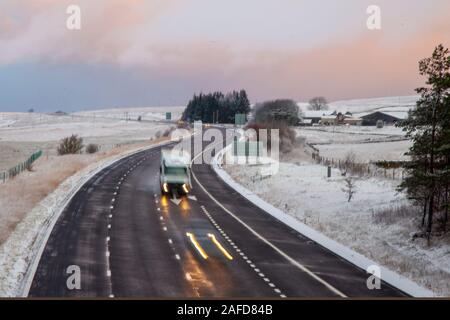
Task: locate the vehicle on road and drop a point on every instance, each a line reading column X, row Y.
column 175, row 175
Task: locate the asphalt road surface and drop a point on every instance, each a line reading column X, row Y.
column 129, row 241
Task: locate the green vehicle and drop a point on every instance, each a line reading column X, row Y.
column 175, row 173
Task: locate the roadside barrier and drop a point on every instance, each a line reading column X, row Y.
column 18, row 169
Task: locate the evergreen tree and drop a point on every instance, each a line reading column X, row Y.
column 217, row 107
column 428, row 127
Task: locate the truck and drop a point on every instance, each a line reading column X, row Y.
column 175, row 173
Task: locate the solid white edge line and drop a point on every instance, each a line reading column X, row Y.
column 390, row 277
column 283, row 254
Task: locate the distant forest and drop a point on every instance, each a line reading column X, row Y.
column 216, row 107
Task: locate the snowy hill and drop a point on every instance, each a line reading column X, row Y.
column 400, row 104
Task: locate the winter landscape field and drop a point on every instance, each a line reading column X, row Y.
column 379, row 222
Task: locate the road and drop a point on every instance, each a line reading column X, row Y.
column 129, row 241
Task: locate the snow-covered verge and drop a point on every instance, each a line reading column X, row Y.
column 301, row 196
column 19, row 254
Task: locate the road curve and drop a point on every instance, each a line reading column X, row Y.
column 129, row 241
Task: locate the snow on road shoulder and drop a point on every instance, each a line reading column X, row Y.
column 19, row 254
column 317, row 207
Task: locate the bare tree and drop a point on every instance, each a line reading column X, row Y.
column 349, row 188
column 318, row 103
column 348, row 162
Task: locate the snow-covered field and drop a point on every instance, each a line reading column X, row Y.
column 303, row 191
column 21, row 134
column 367, row 143
column 366, row 152
column 387, row 104
column 146, row 113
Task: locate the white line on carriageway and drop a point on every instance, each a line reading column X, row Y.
column 259, row 236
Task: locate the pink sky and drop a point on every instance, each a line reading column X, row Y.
column 284, row 48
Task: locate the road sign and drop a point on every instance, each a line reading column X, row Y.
column 240, row 119
column 168, row 115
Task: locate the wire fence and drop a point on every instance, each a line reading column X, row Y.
column 360, row 169
column 18, row 169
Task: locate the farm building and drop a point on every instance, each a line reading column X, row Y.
column 389, row 118
column 340, row 119
column 313, row 117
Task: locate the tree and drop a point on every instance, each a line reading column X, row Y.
column 70, row 145
column 276, row 112
column 349, row 188
column 428, row 126
column 318, row 103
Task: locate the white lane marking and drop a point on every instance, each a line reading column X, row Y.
column 278, row 250
column 271, row 285
column 277, row 290
column 109, row 226
column 108, row 273
column 108, row 239
column 165, row 228
column 177, row 257
column 108, row 254
column 111, row 296
column 170, row 241
column 110, row 216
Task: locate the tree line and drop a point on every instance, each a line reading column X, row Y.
column 217, row 107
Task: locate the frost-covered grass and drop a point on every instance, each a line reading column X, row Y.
column 21, row 134
column 146, row 113
column 303, row 191
column 366, row 152
column 367, row 143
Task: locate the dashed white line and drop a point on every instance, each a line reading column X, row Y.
column 263, row 239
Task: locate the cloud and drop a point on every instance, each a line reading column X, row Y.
column 35, row 30
column 136, row 35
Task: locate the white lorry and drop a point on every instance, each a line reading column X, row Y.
column 175, row 173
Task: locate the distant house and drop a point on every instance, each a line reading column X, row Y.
column 340, row 119
column 389, row 118
column 313, row 117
